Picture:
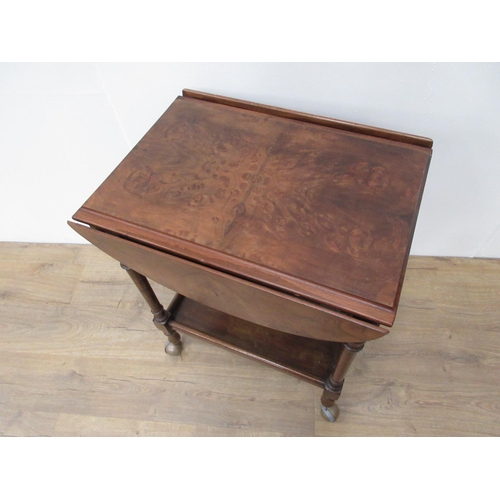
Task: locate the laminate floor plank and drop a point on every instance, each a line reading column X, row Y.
column 156, row 391
column 22, row 423
column 437, row 372
column 79, row 356
column 70, row 425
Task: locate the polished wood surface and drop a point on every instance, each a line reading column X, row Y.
column 308, row 359
column 161, row 317
column 232, row 295
column 308, row 118
column 312, row 210
column 335, row 381
column 79, row 356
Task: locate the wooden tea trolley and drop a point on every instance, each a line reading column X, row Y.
column 285, row 235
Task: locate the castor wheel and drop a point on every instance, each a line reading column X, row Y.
column 331, row 414
column 173, row 349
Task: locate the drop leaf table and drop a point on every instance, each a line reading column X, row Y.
column 285, row 235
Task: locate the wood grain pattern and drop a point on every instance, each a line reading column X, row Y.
column 238, row 267
column 335, row 382
column 308, row 359
column 308, row 118
column 328, row 209
column 161, row 316
column 232, row 295
column 78, row 356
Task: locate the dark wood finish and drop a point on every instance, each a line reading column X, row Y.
column 324, row 212
column 147, row 292
column 335, row 382
column 161, row 316
column 266, row 222
column 238, row 267
column 308, row 359
column 306, row 117
column 232, row 295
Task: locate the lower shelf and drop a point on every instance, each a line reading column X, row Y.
column 308, row 359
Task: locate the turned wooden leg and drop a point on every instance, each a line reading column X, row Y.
column 334, row 383
column 161, row 317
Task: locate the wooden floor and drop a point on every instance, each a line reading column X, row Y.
column 79, row 356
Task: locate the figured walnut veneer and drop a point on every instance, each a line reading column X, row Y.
column 232, row 295
column 285, row 235
column 322, row 212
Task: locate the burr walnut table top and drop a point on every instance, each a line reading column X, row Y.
column 318, row 208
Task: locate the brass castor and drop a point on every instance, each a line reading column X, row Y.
column 331, row 414
column 173, row 349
